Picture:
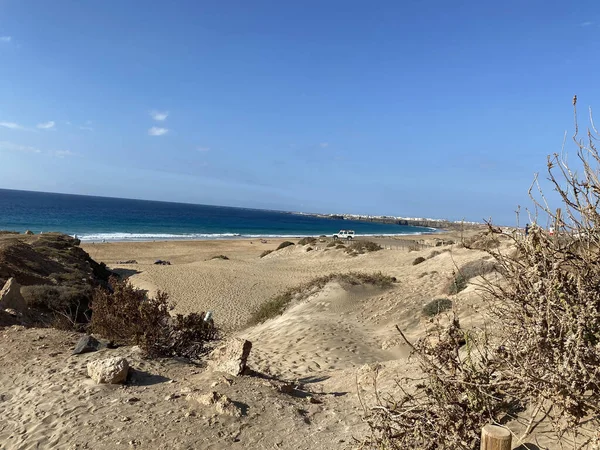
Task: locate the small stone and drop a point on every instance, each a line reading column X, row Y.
column 207, row 399
column 225, row 406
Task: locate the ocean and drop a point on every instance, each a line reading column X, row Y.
column 116, row 219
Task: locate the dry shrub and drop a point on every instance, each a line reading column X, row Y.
column 331, row 244
column 284, row 244
column 447, row 408
column 340, row 246
column 460, row 279
column 482, row 241
column 544, row 354
column 360, row 247
column 127, row 316
column 435, row 253
column 307, row 240
column 64, row 307
column 418, row 260
column 434, row 307
column 278, row 304
column 265, row 253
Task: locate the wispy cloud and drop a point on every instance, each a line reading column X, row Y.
column 586, row 24
column 159, row 115
column 156, row 131
column 63, row 153
column 86, row 128
column 11, row 147
column 324, row 144
column 11, row 126
column 46, row 125
column 203, row 149
column 5, row 39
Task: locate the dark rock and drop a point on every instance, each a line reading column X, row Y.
column 162, row 263
column 90, row 344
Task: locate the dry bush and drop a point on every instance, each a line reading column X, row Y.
column 284, row 244
column 331, row 244
column 434, row 307
column 447, row 407
column 307, row 240
column 65, row 307
column 460, row 279
column 265, row 253
column 545, row 351
column 127, row 316
column 360, row 247
column 278, row 304
column 435, row 253
column 340, row 246
column 418, row 260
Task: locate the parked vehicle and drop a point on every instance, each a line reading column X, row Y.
column 344, row 234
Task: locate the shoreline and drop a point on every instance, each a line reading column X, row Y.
column 235, row 238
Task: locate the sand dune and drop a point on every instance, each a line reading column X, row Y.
column 331, row 343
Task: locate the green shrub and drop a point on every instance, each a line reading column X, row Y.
column 434, row 307
column 307, row 240
column 418, row 260
column 127, row 316
column 284, row 244
column 265, row 253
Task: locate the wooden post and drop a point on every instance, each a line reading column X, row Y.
column 495, row 438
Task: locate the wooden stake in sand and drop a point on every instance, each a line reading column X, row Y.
column 495, row 438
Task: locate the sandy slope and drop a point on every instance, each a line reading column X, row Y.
column 330, row 343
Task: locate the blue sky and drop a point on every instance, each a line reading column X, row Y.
column 413, row 108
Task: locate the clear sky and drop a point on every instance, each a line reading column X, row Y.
column 417, row 108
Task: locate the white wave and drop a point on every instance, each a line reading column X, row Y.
column 117, row 237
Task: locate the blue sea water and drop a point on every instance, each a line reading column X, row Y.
column 116, row 219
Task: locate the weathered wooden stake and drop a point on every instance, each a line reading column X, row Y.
column 495, row 438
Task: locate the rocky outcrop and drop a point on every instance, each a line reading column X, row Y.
column 11, row 298
column 232, row 357
column 108, row 371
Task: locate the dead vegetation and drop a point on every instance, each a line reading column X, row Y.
column 538, row 359
column 125, row 315
column 307, row 240
column 361, row 247
column 278, row 304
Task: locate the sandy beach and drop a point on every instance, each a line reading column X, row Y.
column 330, row 345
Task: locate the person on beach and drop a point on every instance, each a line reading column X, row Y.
column 526, row 229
